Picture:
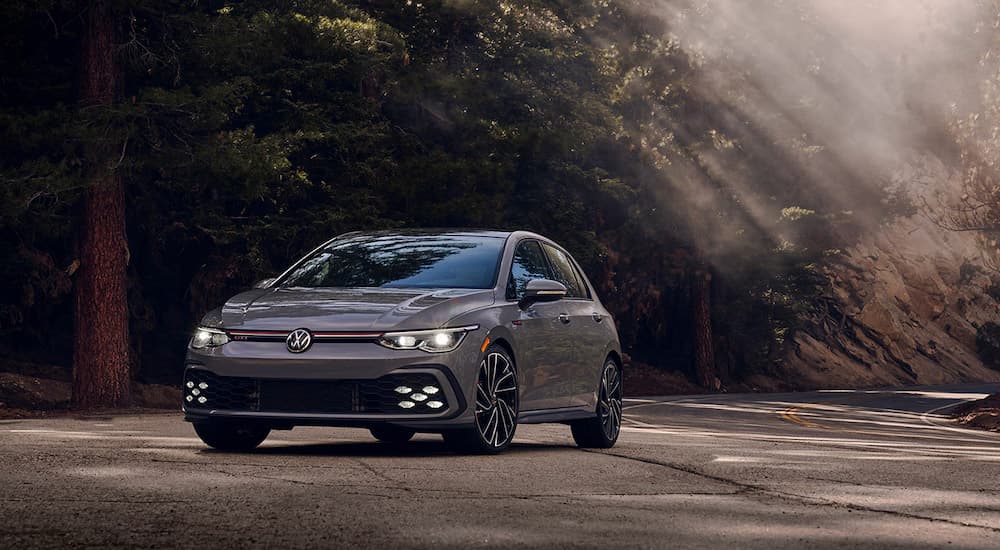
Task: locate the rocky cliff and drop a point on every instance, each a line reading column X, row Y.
column 904, row 307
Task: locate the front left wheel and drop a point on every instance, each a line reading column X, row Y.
column 496, row 407
column 393, row 435
column 231, row 436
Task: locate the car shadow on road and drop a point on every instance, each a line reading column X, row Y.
column 414, row 449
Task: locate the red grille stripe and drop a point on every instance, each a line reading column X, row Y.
column 284, row 333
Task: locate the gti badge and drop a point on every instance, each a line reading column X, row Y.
column 298, row 340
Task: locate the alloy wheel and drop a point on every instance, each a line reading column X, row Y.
column 496, row 400
column 610, row 401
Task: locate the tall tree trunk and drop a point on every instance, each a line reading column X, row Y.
column 100, row 345
column 704, row 348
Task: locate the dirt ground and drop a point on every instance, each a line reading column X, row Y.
column 642, row 380
column 983, row 414
column 37, row 393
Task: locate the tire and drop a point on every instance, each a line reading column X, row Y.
column 231, row 436
column 601, row 431
column 496, row 407
column 395, row 435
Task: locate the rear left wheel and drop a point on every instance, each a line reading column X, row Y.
column 496, row 407
column 601, row 432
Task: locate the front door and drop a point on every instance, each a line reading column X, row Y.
column 545, row 351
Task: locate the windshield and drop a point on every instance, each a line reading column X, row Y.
column 401, row 261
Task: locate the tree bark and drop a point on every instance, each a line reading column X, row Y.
column 101, row 376
column 704, row 348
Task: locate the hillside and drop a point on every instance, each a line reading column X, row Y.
column 904, row 307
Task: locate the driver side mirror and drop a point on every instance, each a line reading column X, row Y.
column 541, row 290
column 264, row 283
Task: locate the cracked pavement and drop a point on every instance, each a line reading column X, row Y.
column 865, row 469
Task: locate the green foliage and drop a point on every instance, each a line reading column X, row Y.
column 256, row 130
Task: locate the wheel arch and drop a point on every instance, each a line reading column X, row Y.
column 503, row 343
column 502, row 337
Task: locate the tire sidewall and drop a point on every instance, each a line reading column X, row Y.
column 231, row 436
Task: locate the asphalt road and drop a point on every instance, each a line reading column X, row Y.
column 879, row 469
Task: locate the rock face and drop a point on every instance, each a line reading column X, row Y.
column 903, row 308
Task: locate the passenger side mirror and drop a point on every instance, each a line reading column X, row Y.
column 541, row 290
column 264, row 283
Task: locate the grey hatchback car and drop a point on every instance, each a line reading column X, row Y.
column 462, row 333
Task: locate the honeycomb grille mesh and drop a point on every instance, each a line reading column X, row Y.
column 378, row 396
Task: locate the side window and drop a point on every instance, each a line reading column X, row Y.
column 565, row 273
column 528, row 263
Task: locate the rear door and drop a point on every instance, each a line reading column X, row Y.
column 545, row 354
column 585, row 334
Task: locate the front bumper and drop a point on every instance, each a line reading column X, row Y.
column 333, row 384
column 429, row 394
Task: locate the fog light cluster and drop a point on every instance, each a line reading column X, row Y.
column 194, row 393
column 414, row 398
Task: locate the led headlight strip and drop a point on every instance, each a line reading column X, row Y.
column 433, row 341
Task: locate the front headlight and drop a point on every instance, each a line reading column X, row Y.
column 205, row 337
column 433, row 341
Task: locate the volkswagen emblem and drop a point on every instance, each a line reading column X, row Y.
column 299, row 340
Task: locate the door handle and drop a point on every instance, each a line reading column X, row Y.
column 564, row 318
column 597, row 317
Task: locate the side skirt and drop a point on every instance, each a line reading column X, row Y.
column 564, row 414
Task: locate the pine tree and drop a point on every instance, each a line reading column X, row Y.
column 101, row 344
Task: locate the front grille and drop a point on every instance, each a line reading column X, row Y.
column 308, row 396
column 209, row 391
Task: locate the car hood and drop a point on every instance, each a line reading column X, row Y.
column 338, row 309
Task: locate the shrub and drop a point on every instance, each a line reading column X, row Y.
column 988, row 344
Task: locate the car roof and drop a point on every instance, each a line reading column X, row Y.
column 417, row 232
column 515, row 235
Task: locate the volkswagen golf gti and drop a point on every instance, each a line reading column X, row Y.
column 462, row 333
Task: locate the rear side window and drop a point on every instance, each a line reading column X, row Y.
column 528, row 263
column 565, row 273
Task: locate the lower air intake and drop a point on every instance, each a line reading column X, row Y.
column 209, row 391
